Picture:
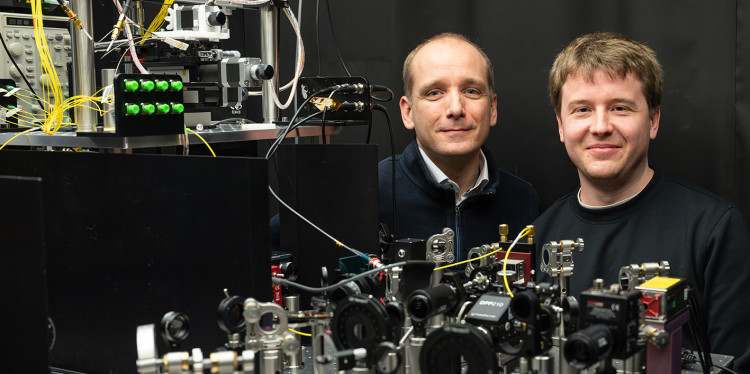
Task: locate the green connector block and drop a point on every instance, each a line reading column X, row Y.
column 148, row 108
column 175, row 85
column 162, row 108
column 130, row 85
column 161, row 85
column 132, row 109
column 177, row 108
column 147, row 85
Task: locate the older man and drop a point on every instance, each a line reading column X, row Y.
column 445, row 178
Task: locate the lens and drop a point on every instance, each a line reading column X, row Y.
column 523, row 306
column 175, row 327
column 269, row 322
column 425, row 303
column 588, row 346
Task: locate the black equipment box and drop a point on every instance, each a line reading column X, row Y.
column 132, row 237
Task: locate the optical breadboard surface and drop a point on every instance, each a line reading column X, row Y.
column 149, row 104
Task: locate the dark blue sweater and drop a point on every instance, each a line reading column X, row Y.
column 425, row 207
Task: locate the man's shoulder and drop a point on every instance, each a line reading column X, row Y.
column 409, row 153
column 508, row 180
column 560, row 206
column 693, row 196
column 503, row 181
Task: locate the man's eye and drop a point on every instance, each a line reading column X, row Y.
column 431, row 94
column 620, row 108
column 581, row 110
column 472, row 92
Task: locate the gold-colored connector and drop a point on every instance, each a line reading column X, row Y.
column 74, row 18
column 503, row 230
column 117, row 29
column 325, row 103
column 532, row 233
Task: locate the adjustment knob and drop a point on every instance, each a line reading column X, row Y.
column 16, row 49
column 261, row 72
column 14, row 72
column 217, row 19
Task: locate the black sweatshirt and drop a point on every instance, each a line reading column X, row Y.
column 703, row 237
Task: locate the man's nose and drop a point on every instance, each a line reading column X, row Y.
column 601, row 123
column 455, row 107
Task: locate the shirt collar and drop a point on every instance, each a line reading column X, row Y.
column 593, row 207
column 441, row 178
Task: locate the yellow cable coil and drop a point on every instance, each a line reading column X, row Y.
column 158, row 20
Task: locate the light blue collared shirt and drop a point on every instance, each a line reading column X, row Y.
column 441, row 178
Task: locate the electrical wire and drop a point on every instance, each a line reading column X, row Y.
column 291, row 126
column 725, row 368
column 299, row 332
column 74, row 18
column 300, row 64
column 158, row 20
column 521, row 234
column 329, row 236
column 323, row 121
column 23, row 76
column 237, row 121
column 335, row 42
column 133, row 53
column 382, row 109
column 380, row 90
column 286, row 282
column 19, row 134
column 285, row 132
column 203, row 140
column 317, row 32
column 695, row 326
column 53, row 119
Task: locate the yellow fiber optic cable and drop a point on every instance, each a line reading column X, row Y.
column 203, row 140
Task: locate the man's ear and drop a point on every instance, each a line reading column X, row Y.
column 560, row 129
column 493, row 113
column 654, row 126
column 406, row 113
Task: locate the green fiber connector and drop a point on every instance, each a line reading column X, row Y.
column 148, row 108
column 161, row 85
column 147, row 85
column 132, row 109
column 130, row 85
column 175, row 85
column 177, row 108
column 9, row 88
column 162, row 108
column 11, row 107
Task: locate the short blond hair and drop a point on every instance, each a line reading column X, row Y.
column 408, row 75
column 615, row 54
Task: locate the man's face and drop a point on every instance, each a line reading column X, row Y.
column 451, row 107
column 606, row 126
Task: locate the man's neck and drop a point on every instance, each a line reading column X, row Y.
column 463, row 170
column 603, row 193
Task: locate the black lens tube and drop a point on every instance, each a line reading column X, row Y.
column 427, row 302
column 586, row 347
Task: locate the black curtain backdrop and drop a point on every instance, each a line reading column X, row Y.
column 705, row 124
